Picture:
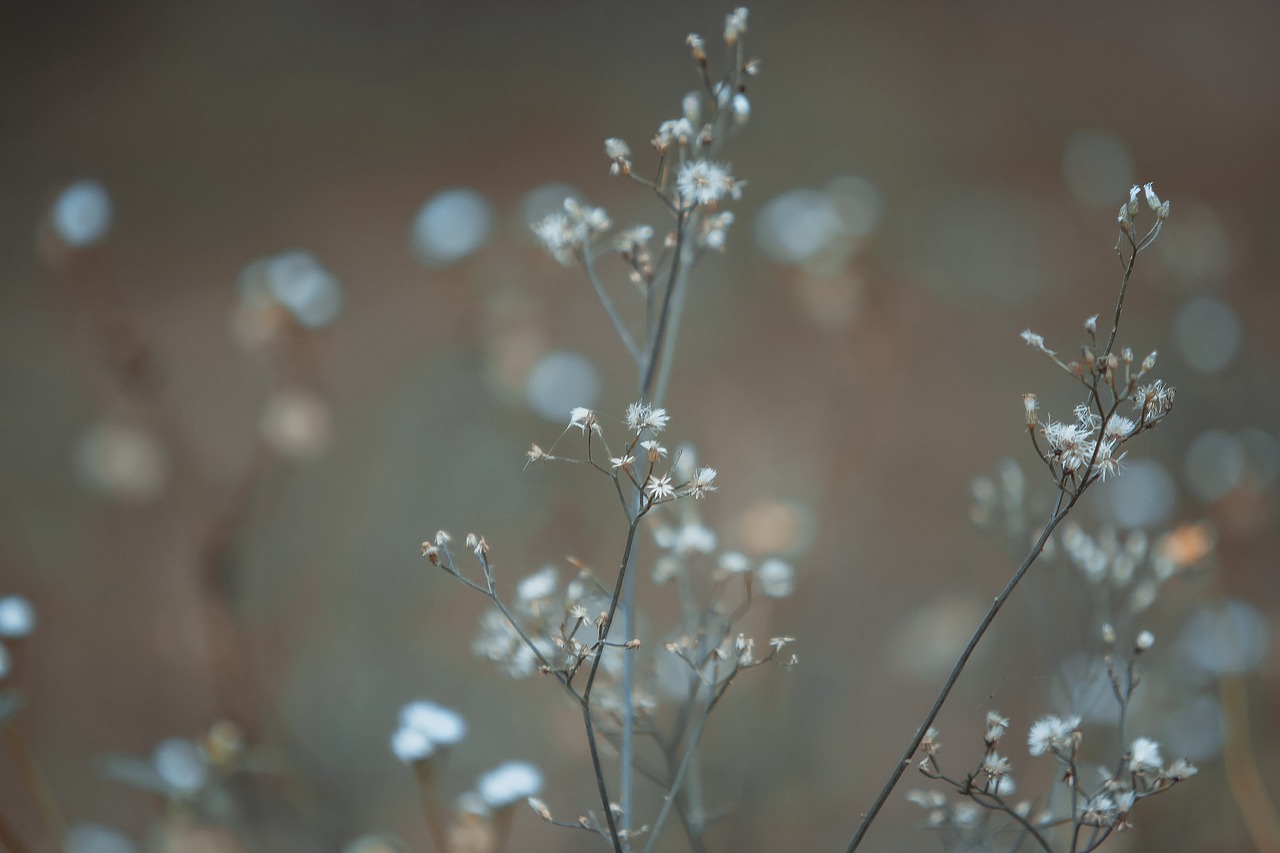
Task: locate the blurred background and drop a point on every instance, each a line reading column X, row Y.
column 271, row 315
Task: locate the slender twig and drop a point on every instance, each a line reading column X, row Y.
column 690, row 749
column 589, row 262
column 1059, row 514
column 35, row 781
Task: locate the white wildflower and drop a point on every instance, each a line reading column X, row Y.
column 703, row 481
column 703, row 182
column 642, row 416
column 660, row 488
column 1144, row 754
column 1056, row 734
column 735, row 24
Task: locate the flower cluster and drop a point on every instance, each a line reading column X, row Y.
column 979, row 810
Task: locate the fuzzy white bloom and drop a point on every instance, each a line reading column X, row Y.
column 616, row 149
column 582, row 417
column 741, row 109
column 1091, row 325
column 1181, row 769
column 17, row 617
column 1145, row 641
column 1051, row 733
column 691, row 106
column 538, row 586
column 509, row 783
column 181, row 764
column 996, row 726
column 439, row 724
column 641, row 416
column 777, row 578
column 735, row 24
column 703, row 182
column 734, row 562
column 1144, row 754
column 995, row 765
column 410, row 745
column 622, row 462
column 1119, row 427
column 702, row 481
column 1035, row 341
column 566, row 234
column 679, row 131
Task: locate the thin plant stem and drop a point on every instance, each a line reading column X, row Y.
column 619, row 326
column 687, row 761
column 1059, row 514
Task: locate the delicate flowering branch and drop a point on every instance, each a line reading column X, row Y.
column 1079, row 454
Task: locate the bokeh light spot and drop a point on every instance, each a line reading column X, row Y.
column 450, row 226
column 559, row 382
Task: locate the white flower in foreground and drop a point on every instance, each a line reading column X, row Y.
column 641, row 416
column 582, row 418
column 702, row 481
column 703, row 182
column 440, row 725
column 1052, row 734
column 777, row 578
column 734, row 562
column 660, row 488
column 17, row 617
column 509, row 783
column 1145, row 755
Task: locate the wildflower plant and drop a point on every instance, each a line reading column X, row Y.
column 1120, row 401
column 570, row 632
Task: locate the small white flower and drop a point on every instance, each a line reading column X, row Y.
column 996, row 726
column 702, row 482
column 654, row 449
column 641, row 416
column 1144, row 755
column 582, row 418
column 1035, row 341
column 995, row 765
column 1153, row 200
column 679, row 131
column 1145, row 641
column 1119, row 426
column 703, row 182
column 741, row 108
column 616, row 149
column 509, row 783
column 735, row 24
column 660, row 488
column 622, row 462
column 17, row 617
column 734, row 562
column 1182, row 769
column 1051, row 733
column 438, row 724
column 1091, row 325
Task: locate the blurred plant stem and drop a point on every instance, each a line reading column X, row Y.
column 1246, row 781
